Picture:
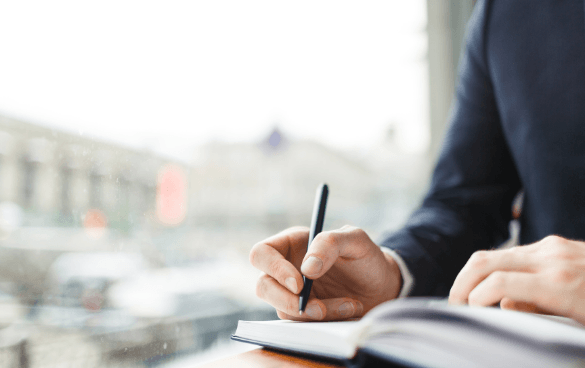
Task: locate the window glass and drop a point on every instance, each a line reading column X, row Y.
column 145, row 147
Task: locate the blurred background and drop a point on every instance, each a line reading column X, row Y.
column 146, row 146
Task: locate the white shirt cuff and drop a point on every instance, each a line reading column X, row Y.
column 407, row 279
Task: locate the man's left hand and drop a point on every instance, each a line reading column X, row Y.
column 546, row 277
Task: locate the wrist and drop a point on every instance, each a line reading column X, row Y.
column 394, row 277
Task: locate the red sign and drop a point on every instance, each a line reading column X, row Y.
column 171, row 195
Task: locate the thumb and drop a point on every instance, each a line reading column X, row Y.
column 348, row 242
column 342, row 308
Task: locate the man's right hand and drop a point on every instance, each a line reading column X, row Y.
column 351, row 274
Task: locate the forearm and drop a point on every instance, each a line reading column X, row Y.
column 468, row 206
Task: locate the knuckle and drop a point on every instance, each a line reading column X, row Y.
column 328, row 238
column 261, row 285
column 479, row 259
column 297, row 229
column 455, row 295
column 351, row 230
column 254, row 252
column 551, row 240
column 300, row 228
column 558, row 248
column 563, row 276
column 561, row 253
column 358, row 231
column 548, row 238
column 507, row 303
column 473, row 298
column 497, row 280
column 518, row 250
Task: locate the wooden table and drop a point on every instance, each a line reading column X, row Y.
column 263, row 358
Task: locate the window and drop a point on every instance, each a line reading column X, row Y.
column 29, row 175
column 253, row 103
column 95, row 189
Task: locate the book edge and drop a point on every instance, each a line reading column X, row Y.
column 304, row 352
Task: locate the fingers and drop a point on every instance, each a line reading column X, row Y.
column 269, row 290
column 269, row 257
column 518, row 286
column 280, row 256
column 545, row 277
column 327, row 247
column 287, row 304
column 537, row 292
column 337, row 309
column 342, row 308
column 270, row 261
column 482, row 264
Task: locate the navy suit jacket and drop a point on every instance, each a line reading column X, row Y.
column 517, row 123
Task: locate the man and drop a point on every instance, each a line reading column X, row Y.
column 518, row 122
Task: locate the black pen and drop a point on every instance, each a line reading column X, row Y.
column 316, row 228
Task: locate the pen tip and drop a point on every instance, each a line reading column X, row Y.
column 300, row 313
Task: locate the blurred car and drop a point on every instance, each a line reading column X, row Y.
column 83, row 279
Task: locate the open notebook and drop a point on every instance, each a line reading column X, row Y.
column 430, row 333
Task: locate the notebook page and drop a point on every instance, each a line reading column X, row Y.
column 537, row 328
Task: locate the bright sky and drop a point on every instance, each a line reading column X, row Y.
column 173, row 74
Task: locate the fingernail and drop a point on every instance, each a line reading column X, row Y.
column 312, row 266
column 345, row 309
column 314, row 311
column 291, row 284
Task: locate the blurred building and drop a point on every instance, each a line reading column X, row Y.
column 53, row 186
column 56, row 177
column 272, row 182
column 252, row 190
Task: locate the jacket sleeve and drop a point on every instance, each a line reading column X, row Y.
column 468, row 206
